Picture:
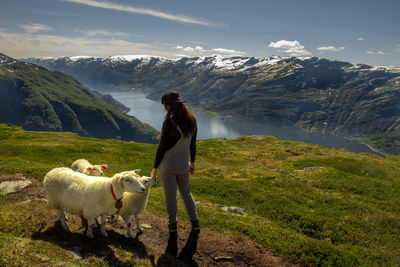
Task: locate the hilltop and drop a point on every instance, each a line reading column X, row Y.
column 303, row 203
column 357, row 101
column 41, row 100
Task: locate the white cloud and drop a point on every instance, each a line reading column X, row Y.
column 145, row 11
column 34, row 27
column 293, row 48
column 381, row 53
column 330, row 48
column 226, row 51
column 200, row 51
column 360, row 39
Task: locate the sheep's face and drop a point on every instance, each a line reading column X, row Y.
column 131, row 183
column 94, row 171
column 148, row 181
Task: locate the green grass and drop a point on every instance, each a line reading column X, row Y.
column 345, row 212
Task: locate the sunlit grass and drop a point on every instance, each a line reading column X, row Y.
column 304, row 202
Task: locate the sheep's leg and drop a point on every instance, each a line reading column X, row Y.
column 127, row 220
column 103, row 226
column 61, row 217
column 138, row 223
column 89, row 231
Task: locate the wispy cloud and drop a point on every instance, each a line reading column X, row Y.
column 380, row 53
column 144, row 11
column 102, row 33
column 293, row 48
column 360, row 39
column 330, row 48
column 46, row 45
column 200, row 51
column 34, row 27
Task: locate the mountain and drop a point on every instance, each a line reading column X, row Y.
column 42, row 100
column 357, row 101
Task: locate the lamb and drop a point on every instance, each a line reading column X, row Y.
column 90, row 196
column 83, row 166
column 133, row 204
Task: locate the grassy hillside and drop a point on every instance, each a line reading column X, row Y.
column 42, row 100
column 306, row 203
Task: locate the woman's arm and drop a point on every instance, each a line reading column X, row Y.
column 193, row 147
column 193, row 152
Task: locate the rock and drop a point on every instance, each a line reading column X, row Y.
column 75, row 253
column 237, row 211
column 146, row 226
column 310, row 168
column 232, row 209
column 9, row 187
column 224, row 208
column 223, row 258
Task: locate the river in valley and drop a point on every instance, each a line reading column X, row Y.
column 152, row 112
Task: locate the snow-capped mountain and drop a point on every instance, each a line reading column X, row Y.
column 314, row 94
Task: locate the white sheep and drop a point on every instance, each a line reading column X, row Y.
column 90, row 196
column 133, row 204
column 83, row 166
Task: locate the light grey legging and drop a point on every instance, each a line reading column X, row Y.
column 174, row 170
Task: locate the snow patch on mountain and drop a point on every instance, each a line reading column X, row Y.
column 131, row 57
column 229, row 63
column 75, row 58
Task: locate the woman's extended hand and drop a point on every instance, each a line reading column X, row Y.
column 192, row 168
column 153, row 172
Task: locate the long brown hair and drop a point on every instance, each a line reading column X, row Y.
column 179, row 114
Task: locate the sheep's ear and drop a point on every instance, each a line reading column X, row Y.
column 137, row 170
column 89, row 168
column 120, row 179
column 104, row 166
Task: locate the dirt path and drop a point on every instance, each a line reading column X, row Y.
column 209, row 248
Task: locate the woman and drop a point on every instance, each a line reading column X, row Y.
column 178, row 142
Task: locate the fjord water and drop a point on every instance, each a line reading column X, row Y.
column 152, row 112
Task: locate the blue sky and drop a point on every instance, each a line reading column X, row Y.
column 357, row 31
